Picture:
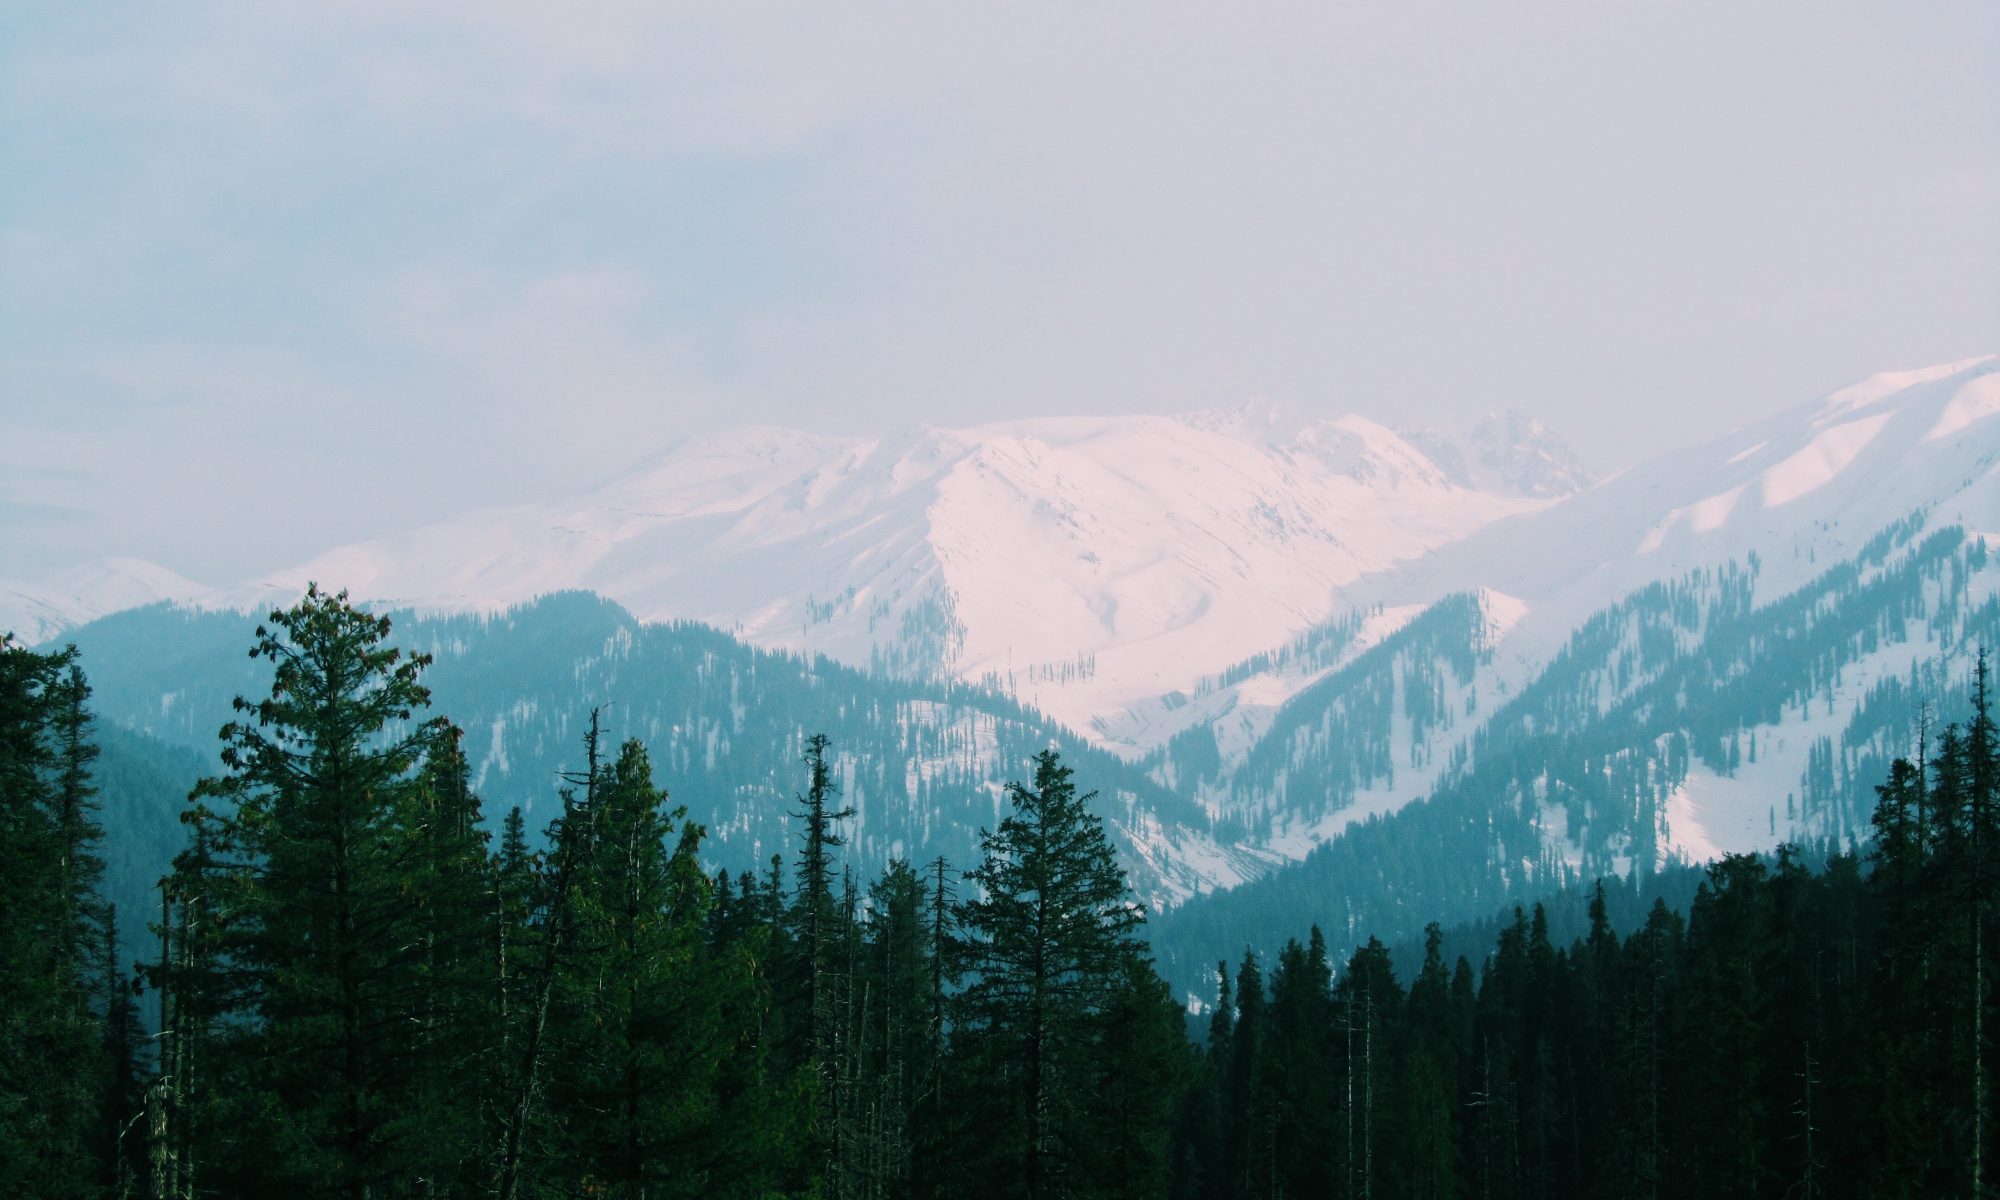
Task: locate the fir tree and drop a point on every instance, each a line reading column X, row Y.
column 304, row 853
column 818, row 928
column 50, row 924
column 1049, row 940
column 644, row 1038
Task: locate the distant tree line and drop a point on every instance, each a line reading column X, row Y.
column 358, row 990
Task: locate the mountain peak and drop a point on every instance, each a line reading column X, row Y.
column 49, row 607
column 1259, row 419
column 1510, row 453
column 1884, row 384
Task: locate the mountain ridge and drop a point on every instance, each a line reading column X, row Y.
column 1705, row 653
column 1086, row 563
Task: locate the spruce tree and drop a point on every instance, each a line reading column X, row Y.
column 896, row 990
column 121, row 1102
column 50, row 926
column 302, row 861
column 1429, row 1084
column 814, row 914
column 643, row 1039
column 551, row 933
column 1048, row 939
column 1246, row 1104
column 448, row 984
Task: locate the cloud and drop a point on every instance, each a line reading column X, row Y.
column 37, row 512
column 474, row 249
column 567, row 359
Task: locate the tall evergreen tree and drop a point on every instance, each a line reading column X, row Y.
column 1300, row 1074
column 305, row 848
column 551, row 931
column 644, row 1037
column 50, row 924
column 1049, row 940
column 1429, row 1083
column 816, row 916
column 121, row 1101
column 448, row 985
column 895, row 990
column 1246, row 1128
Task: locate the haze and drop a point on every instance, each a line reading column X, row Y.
column 274, row 278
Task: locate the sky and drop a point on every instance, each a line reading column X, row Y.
column 275, row 277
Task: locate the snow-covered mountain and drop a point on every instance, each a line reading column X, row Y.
column 1509, row 454
column 1801, row 490
column 1289, row 626
column 45, row 609
column 1787, row 499
column 1718, row 651
column 1085, row 565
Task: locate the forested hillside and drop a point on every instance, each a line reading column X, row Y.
column 1686, row 702
column 359, row 990
column 923, row 765
column 1414, row 775
column 1794, row 1032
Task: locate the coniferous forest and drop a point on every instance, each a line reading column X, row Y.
column 359, row 983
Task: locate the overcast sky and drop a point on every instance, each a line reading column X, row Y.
column 275, row 277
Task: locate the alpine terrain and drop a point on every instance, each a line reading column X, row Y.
column 1371, row 676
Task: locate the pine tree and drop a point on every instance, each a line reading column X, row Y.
column 1200, row 1169
column 1367, row 999
column 1299, row 1073
column 1246, row 1103
column 815, row 917
column 449, row 984
column 936, row 1120
column 121, row 1101
column 1049, row 940
column 515, row 884
column 50, row 918
column 573, row 835
column 1140, row 1062
column 820, row 984
column 80, row 871
column 896, row 983
column 1982, row 751
column 1429, row 1083
column 1729, row 932
column 644, row 1035
column 303, row 852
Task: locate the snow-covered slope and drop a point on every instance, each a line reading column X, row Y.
column 1778, row 510
column 1086, row 565
column 1800, row 491
column 1295, row 624
column 1509, row 453
column 39, row 611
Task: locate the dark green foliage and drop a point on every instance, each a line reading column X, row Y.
column 55, row 1086
column 1060, row 1005
column 643, row 1095
column 1801, row 1032
column 356, row 996
column 725, row 722
column 322, row 953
